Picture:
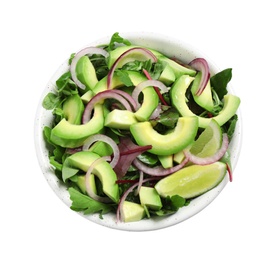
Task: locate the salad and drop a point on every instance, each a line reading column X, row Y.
column 138, row 133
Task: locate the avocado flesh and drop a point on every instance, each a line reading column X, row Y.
column 150, row 198
column 177, row 69
column 149, row 104
column 73, row 109
column 81, row 183
column 103, row 170
column 68, row 135
column 132, row 212
column 178, row 139
column 166, row 160
column 120, row 119
column 150, row 97
column 86, row 73
column 205, row 99
column 178, row 91
column 167, row 76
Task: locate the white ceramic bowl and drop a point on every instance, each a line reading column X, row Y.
column 172, row 48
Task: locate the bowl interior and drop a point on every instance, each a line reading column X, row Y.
column 172, row 48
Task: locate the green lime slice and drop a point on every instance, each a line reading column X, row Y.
column 209, row 141
column 192, row 181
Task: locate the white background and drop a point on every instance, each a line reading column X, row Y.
column 37, row 36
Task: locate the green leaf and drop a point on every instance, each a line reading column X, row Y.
column 50, row 101
column 67, row 170
column 124, row 77
column 81, row 202
column 169, row 118
column 177, row 202
column 219, row 82
column 116, row 38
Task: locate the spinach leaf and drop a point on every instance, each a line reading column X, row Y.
column 219, row 82
column 50, row 101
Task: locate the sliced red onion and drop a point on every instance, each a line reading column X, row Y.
column 103, row 138
column 147, row 83
column 201, row 65
column 156, row 113
column 140, row 182
column 158, row 170
column 211, row 159
column 128, row 152
column 100, row 97
column 126, row 57
column 230, row 172
column 85, row 51
column 163, row 101
column 129, row 190
column 128, row 97
column 87, row 180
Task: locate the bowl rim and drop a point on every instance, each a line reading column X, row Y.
column 168, row 46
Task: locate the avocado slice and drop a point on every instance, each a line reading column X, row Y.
column 150, row 198
column 69, row 135
column 132, row 211
column 149, row 104
column 177, row 69
column 167, row 76
column 174, row 141
column 166, row 160
column 205, row 99
column 120, row 119
column 86, row 73
column 82, row 160
column 73, row 109
column 178, row 92
column 81, row 183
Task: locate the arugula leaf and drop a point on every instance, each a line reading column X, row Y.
column 219, row 82
column 116, row 38
column 81, row 202
column 124, row 77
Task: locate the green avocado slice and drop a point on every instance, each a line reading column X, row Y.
column 103, row 170
column 178, row 92
column 69, row 135
column 181, row 136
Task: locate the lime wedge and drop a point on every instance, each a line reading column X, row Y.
column 192, row 181
column 209, row 141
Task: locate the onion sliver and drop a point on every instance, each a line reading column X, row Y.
column 87, row 180
column 85, row 51
column 147, row 83
column 158, row 170
column 129, row 190
column 128, row 97
column 211, row 159
column 103, row 138
column 100, row 97
column 126, row 57
column 201, row 65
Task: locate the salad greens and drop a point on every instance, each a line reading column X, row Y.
column 163, row 122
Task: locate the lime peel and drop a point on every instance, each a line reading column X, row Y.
column 192, row 181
